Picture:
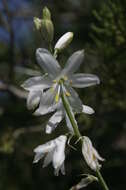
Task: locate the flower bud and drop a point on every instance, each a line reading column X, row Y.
column 37, row 23
column 47, row 30
column 64, row 41
column 46, row 13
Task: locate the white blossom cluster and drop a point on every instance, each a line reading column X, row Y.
column 45, row 92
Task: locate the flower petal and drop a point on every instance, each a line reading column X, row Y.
column 64, row 41
column 62, row 169
column 33, row 99
column 90, row 154
column 81, row 80
column 47, row 103
column 53, row 121
column 97, row 155
column 42, row 149
column 74, row 99
column 37, row 157
column 87, row 109
column 73, row 63
column 37, row 83
column 47, row 62
column 48, row 159
column 59, row 153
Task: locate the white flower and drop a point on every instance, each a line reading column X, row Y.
column 90, row 154
column 64, row 41
column 45, row 91
column 84, row 182
column 53, row 151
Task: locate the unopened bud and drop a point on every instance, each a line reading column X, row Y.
column 64, row 41
column 47, row 30
column 37, row 23
column 46, row 13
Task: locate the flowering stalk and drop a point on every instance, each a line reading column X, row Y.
column 79, row 136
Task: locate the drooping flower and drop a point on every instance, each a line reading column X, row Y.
column 84, row 182
column 90, row 154
column 45, row 91
column 53, row 151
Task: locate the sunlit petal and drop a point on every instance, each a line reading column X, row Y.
column 73, row 63
column 48, row 159
column 37, row 83
column 53, row 121
column 87, row 109
column 42, row 149
column 33, row 99
column 59, row 153
column 81, row 80
column 47, row 62
column 37, row 157
column 47, row 103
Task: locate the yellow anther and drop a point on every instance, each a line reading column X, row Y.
column 65, row 78
column 57, row 97
column 67, row 93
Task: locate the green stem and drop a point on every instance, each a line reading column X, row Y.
column 78, row 134
column 101, row 180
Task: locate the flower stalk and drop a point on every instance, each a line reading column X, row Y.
column 79, row 136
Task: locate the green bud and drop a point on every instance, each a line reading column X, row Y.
column 47, row 30
column 46, row 13
column 37, row 23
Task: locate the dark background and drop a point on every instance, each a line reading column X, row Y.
column 100, row 28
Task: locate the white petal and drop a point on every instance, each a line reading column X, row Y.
column 64, row 41
column 48, row 159
column 47, row 103
column 33, row 99
column 53, row 121
column 62, row 169
column 37, row 83
column 73, row 63
column 90, row 154
column 87, row 109
column 59, row 152
column 74, row 100
column 81, row 80
column 97, row 155
column 37, row 157
column 47, row 62
column 47, row 147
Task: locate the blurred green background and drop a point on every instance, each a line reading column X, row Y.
column 100, row 28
